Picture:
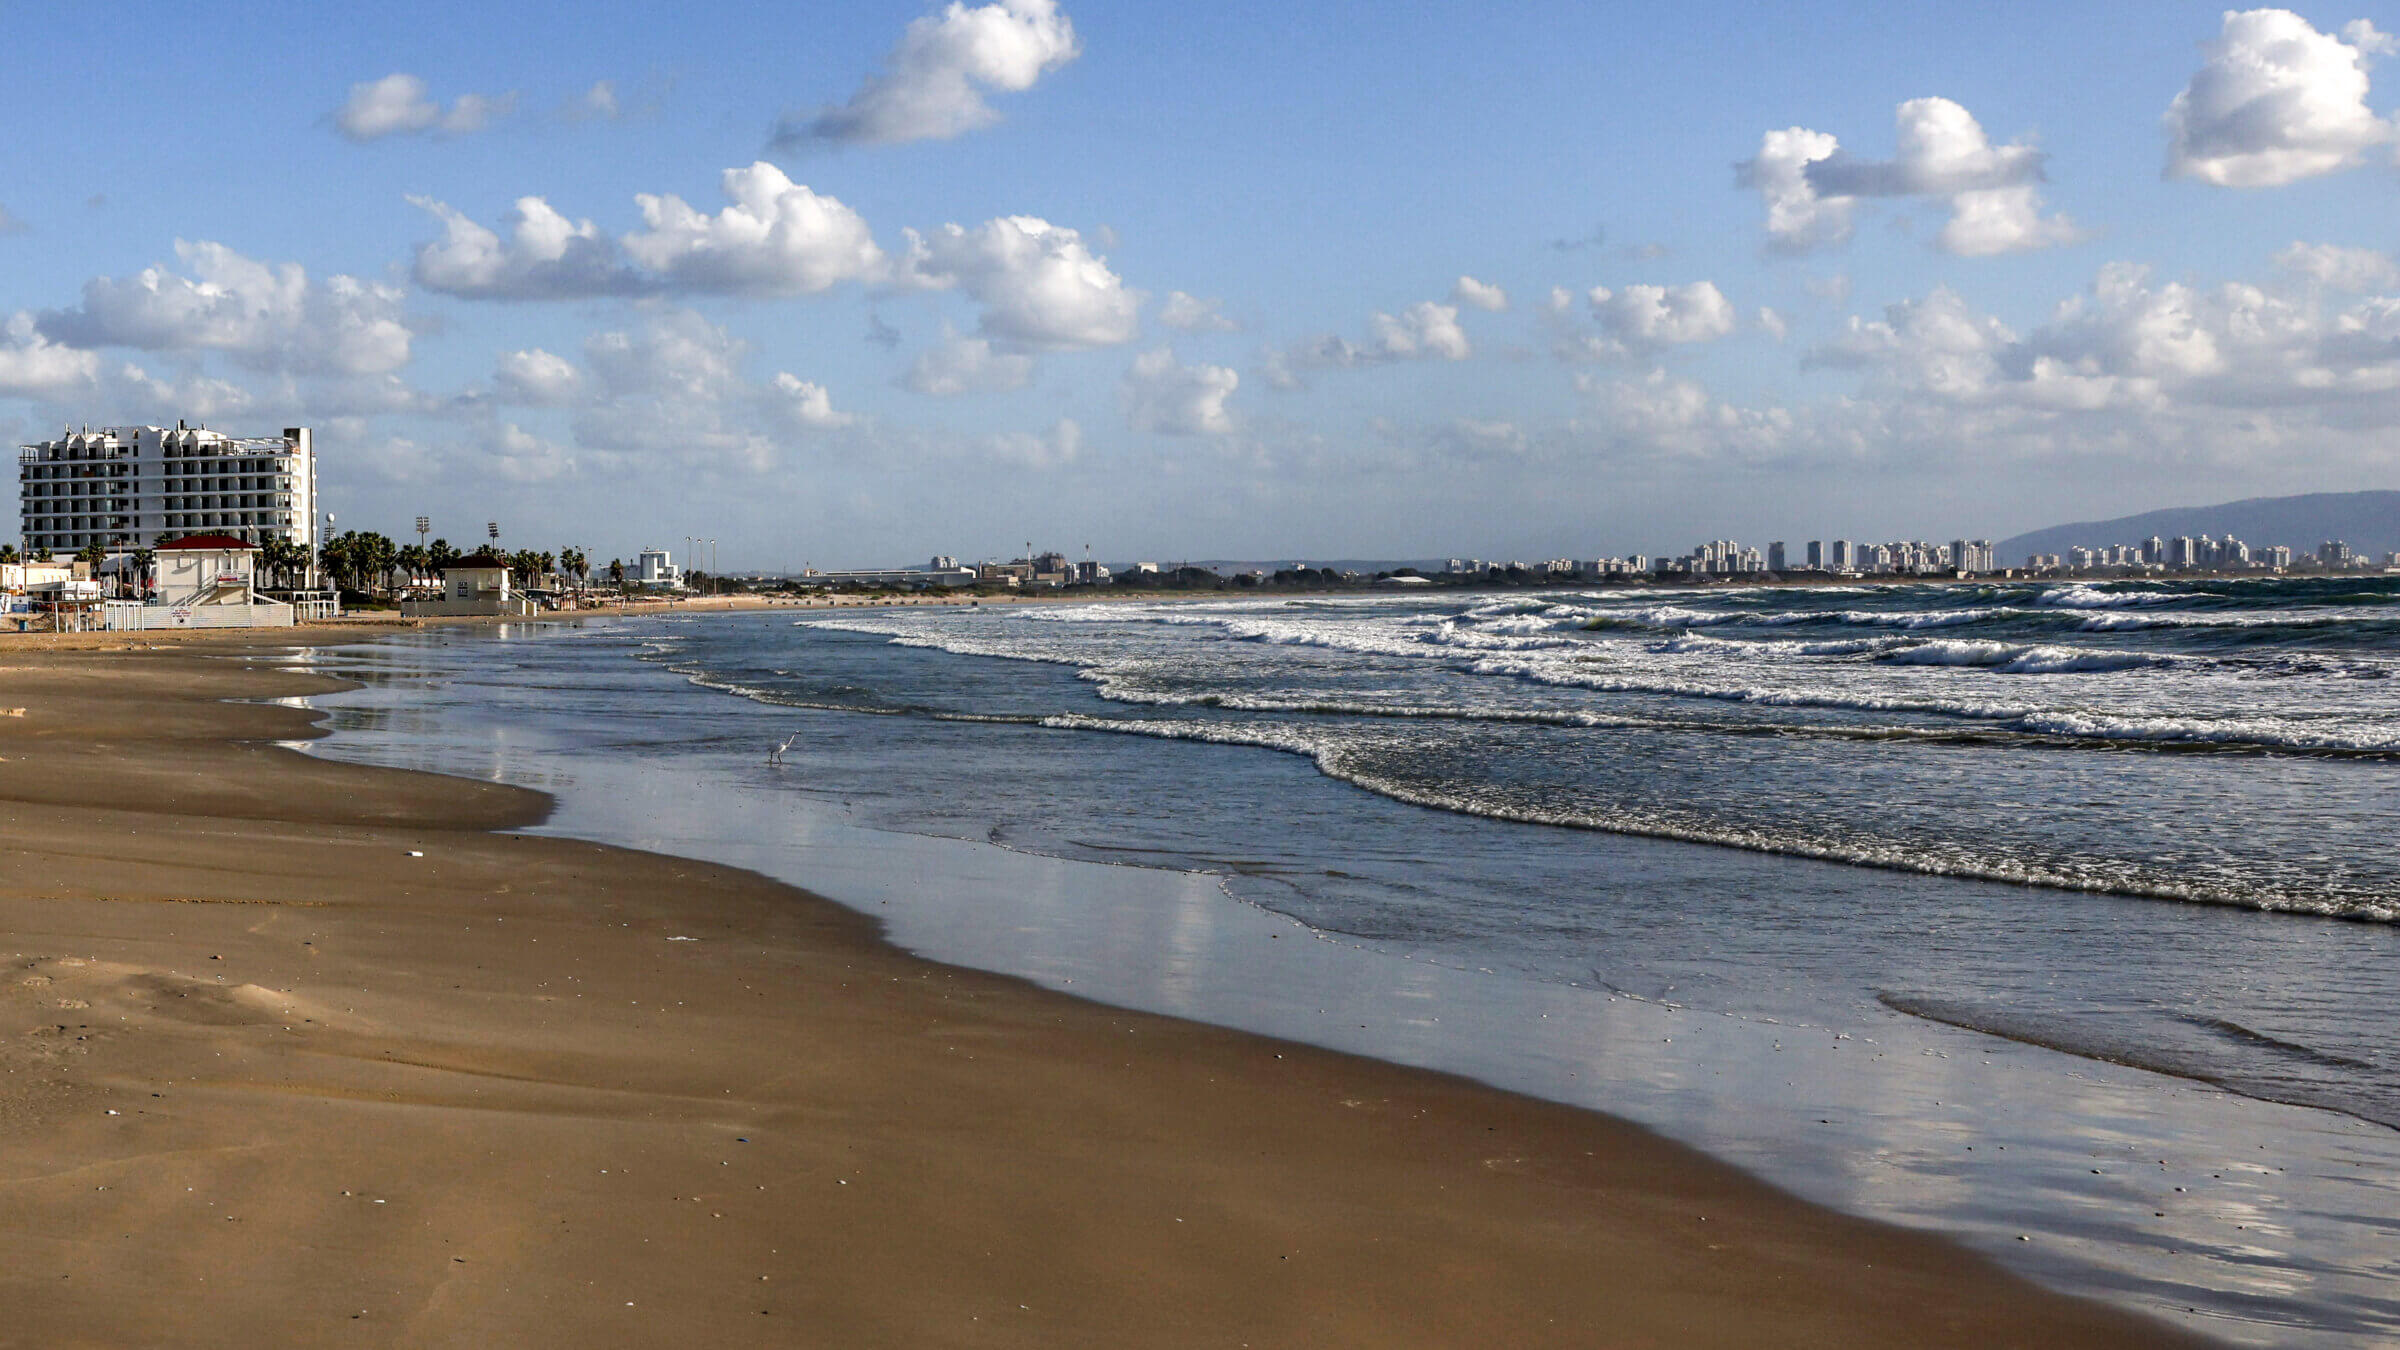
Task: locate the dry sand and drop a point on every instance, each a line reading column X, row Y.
column 268, row 1077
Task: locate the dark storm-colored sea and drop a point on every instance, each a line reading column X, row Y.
column 2122, row 847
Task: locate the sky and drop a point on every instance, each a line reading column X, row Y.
column 857, row 284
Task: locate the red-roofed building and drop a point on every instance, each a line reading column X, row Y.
column 203, row 581
column 206, row 569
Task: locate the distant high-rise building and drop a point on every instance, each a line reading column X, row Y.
column 1816, row 553
column 1775, row 558
column 129, row 487
column 1841, row 555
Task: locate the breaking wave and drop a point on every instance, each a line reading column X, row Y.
column 1338, row 759
column 2022, row 660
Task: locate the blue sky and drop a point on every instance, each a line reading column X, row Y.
column 1297, row 280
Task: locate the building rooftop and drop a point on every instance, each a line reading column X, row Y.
column 212, row 542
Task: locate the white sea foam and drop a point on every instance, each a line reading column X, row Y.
column 1866, row 618
column 2262, row 732
column 2018, row 659
column 2092, row 597
column 1580, row 675
column 1664, row 616
column 1702, row 643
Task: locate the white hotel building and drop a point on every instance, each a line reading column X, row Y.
column 133, row 487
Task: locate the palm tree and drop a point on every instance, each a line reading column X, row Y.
column 142, row 560
column 616, row 573
column 334, row 556
column 8, row 554
column 291, row 561
column 277, row 558
column 357, row 558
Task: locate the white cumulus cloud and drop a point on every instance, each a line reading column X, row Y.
column 1657, row 316
column 2173, row 353
column 537, row 377
column 934, row 81
column 2276, row 101
column 1190, row 314
column 1041, row 287
column 1060, row 446
column 269, row 316
column 32, row 366
column 1811, row 188
column 674, row 389
column 1481, row 295
column 399, row 103
column 1798, row 218
column 1423, row 330
column 2344, row 269
column 774, row 237
column 1161, row 395
column 967, row 365
column 1666, row 416
column 512, row 453
column 804, row 403
column 1938, row 345
column 545, row 257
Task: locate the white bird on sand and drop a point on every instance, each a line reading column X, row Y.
column 775, row 756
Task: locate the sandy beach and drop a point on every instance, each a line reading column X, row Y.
column 295, row 1052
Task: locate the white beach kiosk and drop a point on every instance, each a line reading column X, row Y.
column 203, row 581
column 475, row 584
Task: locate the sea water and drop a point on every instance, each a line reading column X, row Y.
column 2056, row 917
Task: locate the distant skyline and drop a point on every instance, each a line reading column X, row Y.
column 860, row 284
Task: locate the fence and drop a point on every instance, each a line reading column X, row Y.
column 124, row 616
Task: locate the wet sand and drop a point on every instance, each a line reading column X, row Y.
column 269, row 1077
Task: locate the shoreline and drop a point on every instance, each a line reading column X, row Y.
column 948, row 1156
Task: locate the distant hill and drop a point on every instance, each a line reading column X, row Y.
column 2367, row 521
